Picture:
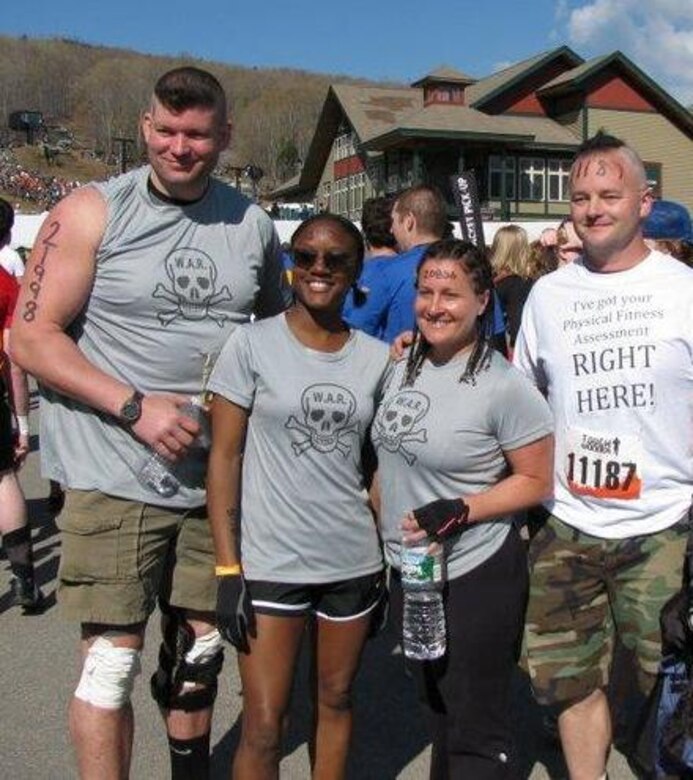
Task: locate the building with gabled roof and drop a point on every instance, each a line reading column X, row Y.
column 518, row 129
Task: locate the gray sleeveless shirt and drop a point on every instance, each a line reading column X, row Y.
column 171, row 283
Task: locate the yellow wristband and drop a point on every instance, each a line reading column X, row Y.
column 223, row 571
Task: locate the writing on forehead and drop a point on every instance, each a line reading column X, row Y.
column 438, row 273
column 604, row 167
column 600, row 166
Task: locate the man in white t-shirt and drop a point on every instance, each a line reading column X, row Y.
column 9, row 259
column 609, row 339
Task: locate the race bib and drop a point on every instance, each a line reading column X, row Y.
column 602, row 465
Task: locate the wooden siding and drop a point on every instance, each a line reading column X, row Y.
column 656, row 140
column 523, row 98
column 348, row 166
column 612, row 92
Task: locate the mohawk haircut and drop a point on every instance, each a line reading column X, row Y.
column 188, row 87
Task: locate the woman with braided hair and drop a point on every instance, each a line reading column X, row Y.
column 463, row 442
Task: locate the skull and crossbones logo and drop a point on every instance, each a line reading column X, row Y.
column 327, row 412
column 193, row 277
column 396, row 420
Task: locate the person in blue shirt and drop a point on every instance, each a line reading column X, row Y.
column 363, row 306
column 419, row 217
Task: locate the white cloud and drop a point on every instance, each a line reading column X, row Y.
column 657, row 36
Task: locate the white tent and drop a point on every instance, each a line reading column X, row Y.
column 26, row 226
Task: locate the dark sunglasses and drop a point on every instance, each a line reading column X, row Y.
column 306, row 258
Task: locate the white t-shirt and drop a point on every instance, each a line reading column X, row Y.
column 11, row 262
column 614, row 355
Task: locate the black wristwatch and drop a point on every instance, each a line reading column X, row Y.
column 131, row 410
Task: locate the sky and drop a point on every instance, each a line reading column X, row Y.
column 393, row 40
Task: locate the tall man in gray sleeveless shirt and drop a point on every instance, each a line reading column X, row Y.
column 131, row 286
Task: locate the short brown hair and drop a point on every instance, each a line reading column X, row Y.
column 376, row 222
column 188, row 87
column 428, row 207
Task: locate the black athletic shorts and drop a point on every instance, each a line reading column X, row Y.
column 6, row 433
column 342, row 600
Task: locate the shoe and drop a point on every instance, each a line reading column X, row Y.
column 26, row 594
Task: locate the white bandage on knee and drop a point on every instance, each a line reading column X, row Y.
column 108, row 675
column 204, row 648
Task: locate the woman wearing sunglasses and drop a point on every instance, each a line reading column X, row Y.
column 294, row 534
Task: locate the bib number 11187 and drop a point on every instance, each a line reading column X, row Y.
column 603, row 466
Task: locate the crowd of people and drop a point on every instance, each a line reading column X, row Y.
column 160, row 295
column 43, row 190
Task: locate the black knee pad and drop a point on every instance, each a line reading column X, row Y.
column 167, row 683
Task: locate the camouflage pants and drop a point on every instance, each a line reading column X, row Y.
column 583, row 592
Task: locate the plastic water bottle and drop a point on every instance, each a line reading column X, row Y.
column 423, row 623
column 157, row 473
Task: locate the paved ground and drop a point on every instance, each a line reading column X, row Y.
column 39, row 669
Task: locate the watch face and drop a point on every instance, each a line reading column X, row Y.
column 132, row 409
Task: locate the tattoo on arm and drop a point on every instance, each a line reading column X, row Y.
column 39, row 270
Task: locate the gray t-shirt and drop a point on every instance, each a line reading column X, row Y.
column 304, row 509
column 443, row 438
column 171, row 283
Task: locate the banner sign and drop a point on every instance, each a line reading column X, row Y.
column 466, row 196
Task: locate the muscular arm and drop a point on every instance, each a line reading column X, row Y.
column 56, row 286
column 229, row 425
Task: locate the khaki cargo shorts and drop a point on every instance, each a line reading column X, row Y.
column 119, row 555
column 583, row 589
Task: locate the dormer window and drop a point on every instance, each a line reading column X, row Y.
column 443, row 93
column 444, row 86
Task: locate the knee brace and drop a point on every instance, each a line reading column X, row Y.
column 186, row 662
column 108, row 674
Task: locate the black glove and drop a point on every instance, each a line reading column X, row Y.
column 235, row 613
column 442, row 518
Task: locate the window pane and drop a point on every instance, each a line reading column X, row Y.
column 554, row 188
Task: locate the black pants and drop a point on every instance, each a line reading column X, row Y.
column 467, row 693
